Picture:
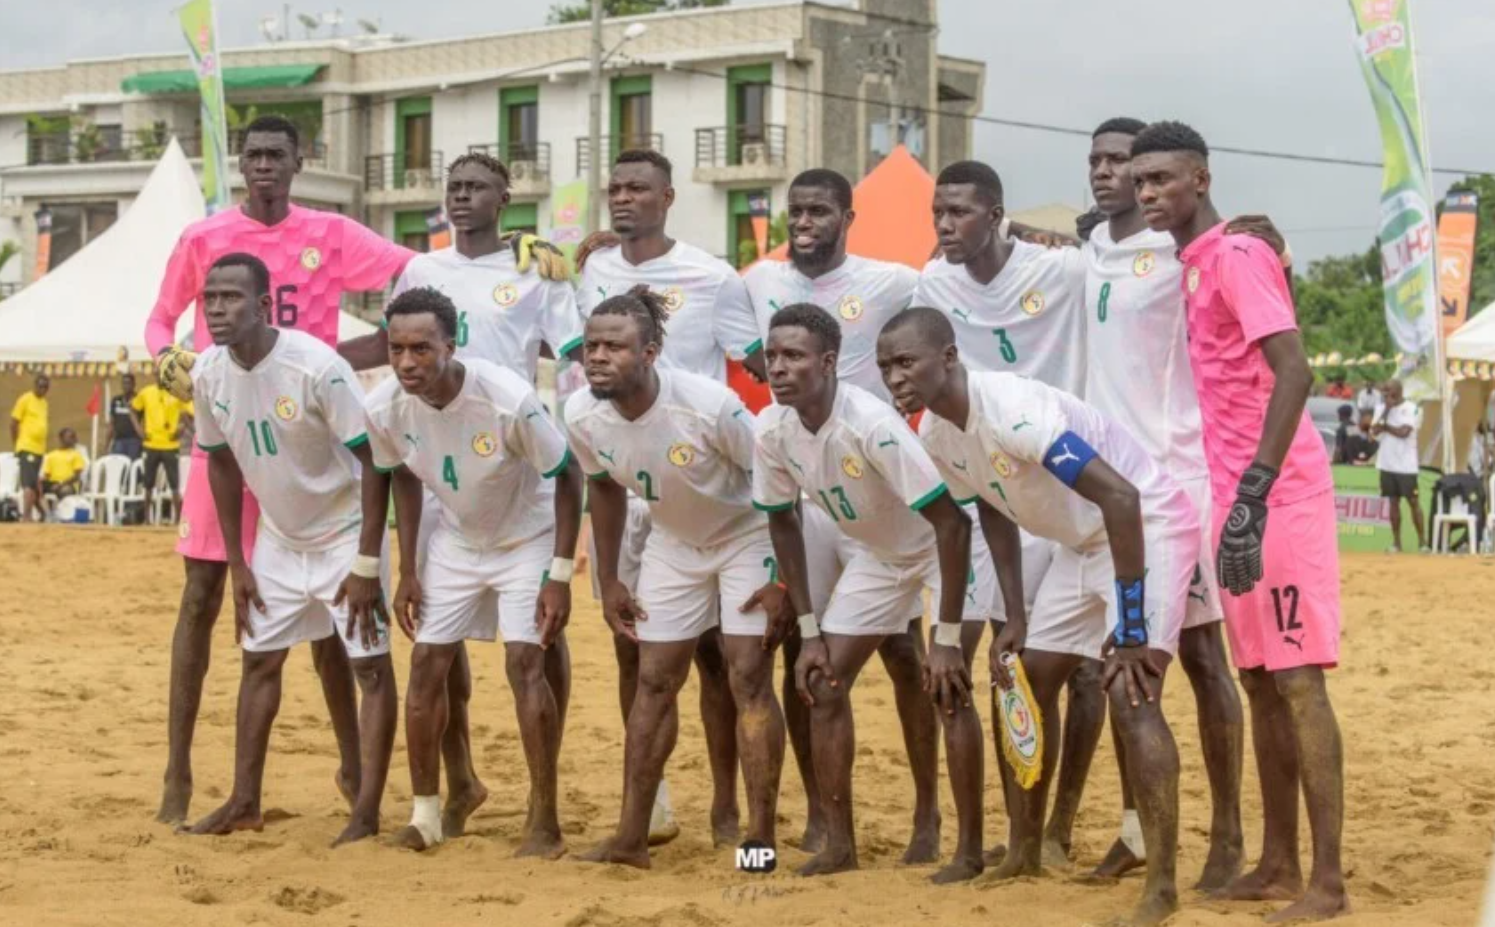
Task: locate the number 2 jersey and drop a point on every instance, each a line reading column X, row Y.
column 290, row 423
column 313, row 258
column 489, row 456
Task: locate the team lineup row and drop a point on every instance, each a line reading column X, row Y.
column 817, row 525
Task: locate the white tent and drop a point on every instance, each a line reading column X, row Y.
column 1474, row 340
column 1469, row 350
column 98, row 300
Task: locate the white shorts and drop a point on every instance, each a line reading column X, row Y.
column 631, row 556
column 687, row 590
column 471, row 594
column 983, row 599
column 876, row 597
column 1204, row 595
column 1076, row 604
column 297, row 588
column 1038, row 553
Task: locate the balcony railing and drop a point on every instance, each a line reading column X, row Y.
column 611, row 145
column 110, row 144
column 404, row 172
column 526, row 161
column 734, row 146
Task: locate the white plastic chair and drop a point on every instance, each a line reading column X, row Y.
column 1489, row 542
column 107, row 484
column 134, row 490
column 161, row 494
column 1445, row 520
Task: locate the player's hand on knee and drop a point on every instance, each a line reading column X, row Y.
column 1136, row 667
column 365, row 598
column 597, row 241
column 552, row 610
column 1011, row 639
column 246, row 596
column 948, row 678
column 407, row 604
column 814, row 660
column 773, row 598
column 621, row 611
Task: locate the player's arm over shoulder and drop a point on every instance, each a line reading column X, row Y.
column 1254, row 284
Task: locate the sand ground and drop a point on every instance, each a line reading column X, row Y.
column 85, row 623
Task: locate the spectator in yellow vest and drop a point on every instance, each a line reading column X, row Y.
column 28, row 435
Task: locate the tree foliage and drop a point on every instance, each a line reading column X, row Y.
column 581, row 10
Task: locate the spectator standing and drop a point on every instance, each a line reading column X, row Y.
column 123, row 436
column 1397, row 427
column 62, row 471
column 28, row 435
column 1368, row 401
column 160, row 417
column 1338, row 388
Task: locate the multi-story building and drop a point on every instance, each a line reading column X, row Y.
column 740, row 98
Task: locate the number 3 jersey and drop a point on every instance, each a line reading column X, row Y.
column 1029, row 319
column 502, row 315
column 290, row 422
column 689, row 457
column 864, row 467
column 489, row 455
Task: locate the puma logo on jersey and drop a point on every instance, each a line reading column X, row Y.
column 609, row 456
column 1064, row 457
column 532, row 415
column 336, row 380
column 738, row 413
column 412, row 439
column 958, row 464
column 1200, row 597
column 888, row 443
column 1288, row 638
column 1023, row 424
column 797, row 466
column 774, row 305
column 602, row 291
column 964, row 316
column 221, row 406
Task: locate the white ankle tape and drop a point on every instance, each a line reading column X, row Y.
column 1131, row 834
column 427, row 818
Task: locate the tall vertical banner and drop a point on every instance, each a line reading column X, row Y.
column 199, row 25
column 568, row 216
column 1383, row 32
column 43, row 244
column 1456, row 228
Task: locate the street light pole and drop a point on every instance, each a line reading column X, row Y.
column 594, row 125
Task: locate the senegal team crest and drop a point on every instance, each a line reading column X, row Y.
column 851, row 466
column 1032, row 302
column 483, row 444
column 311, row 258
column 285, row 408
column 1143, row 264
column 674, row 299
column 184, row 530
column 1193, row 279
column 1001, row 464
column 681, row 454
column 506, row 294
column 850, row 307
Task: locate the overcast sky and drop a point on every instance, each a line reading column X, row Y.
column 1272, row 74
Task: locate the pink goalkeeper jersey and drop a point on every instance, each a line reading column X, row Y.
column 1236, row 295
column 313, row 257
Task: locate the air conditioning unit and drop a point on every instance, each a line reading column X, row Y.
column 524, row 170
column 419, row 177
column 755, row 153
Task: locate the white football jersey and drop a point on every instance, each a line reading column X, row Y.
column 861, row 294
column 710, row 317
column 1137, row 340
column 1018, row 429
column 290, row 423
column 1028, row 319
column 865, row 468
column 690, row 457
column 502, row 315
column 489, row 456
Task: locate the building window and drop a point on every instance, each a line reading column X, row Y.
column 632, row 113
column 747, row 107
column 412, row 231
column 747, row 226
column 519, row 123
column 412, row 137
column 520, row 217
column 74, row 225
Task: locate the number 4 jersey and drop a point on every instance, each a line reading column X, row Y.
column 290, row 422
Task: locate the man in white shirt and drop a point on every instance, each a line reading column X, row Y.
column 1396, row 426
column 683, row 444
column 281, row 414
column 861, row 294
column 476, row 436
column 1127, row 540
column 710, row 319
column 853, row 456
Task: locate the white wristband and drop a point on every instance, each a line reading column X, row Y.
column 808, row 626
column 365, row 566
column 947, row 633
column 562, row 569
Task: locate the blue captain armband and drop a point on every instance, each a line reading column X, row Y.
column 1131, row 623
column 1067, row 456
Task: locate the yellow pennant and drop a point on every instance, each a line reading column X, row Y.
column 1022, row 725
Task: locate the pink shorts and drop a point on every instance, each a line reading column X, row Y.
column 1291, row 617
column 198, row 534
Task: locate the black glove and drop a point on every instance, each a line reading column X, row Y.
column 1238, row 561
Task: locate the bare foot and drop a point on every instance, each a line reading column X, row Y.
column 1222, row 867
column 176, row 798
column 726, row 831
column 410, row 838
column 813, row 840
column 608, row 852
column 1263, row 885
column 960, row 870
column 1153, row 910
column 1018, row 864
column 358, row 828
column 924, row 845
column 1118, row 862
column 459, row 808
column 1056, row 855
column 995, row 855
column 1317, row 905
column 543, row 845
column 830, row 861
column 234, row 816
